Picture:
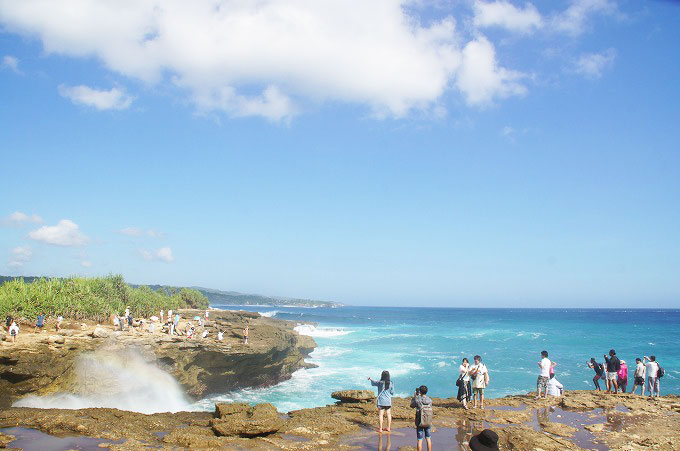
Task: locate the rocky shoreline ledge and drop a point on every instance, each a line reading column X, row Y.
column 46, row 363
column 579, row 420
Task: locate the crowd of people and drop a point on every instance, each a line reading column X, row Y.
column 197, row 327
column 473, row 379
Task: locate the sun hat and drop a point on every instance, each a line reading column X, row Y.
column 485, row 440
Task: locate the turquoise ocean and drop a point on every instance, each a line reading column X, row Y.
column 425, row 346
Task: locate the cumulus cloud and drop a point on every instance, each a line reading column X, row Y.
column 270, row 58
column 502, row 13
column 65, row 233
column 592, row 65
column 11, row 62
column 113, row 99
column 575, row 18
column 481, row 80
column 19, row 218
column 163, row 254
column 19, row 255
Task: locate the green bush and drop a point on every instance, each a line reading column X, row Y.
column 90, row 298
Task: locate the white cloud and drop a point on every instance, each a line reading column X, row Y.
column 113, row 99
column 19, row 218
column 19, row 255
column 507, row 131
column 131, row 231
column 86, row 264
column 592, row 65
column 65, row 233
column 504, row 14
column 153, row 233
column 269, row 58
column 163, row 254
column 574, row 19
column 11, row 62
column 481, row 80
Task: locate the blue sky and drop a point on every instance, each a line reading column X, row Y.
column 453, row 153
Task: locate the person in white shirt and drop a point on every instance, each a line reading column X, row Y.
column 652, row 368
column 204, row 334
column 639, row 376
column 544, row 375
column 14, row 331
column 555, row 388
column 479, row 374
column 220, row 335
column 161, row 316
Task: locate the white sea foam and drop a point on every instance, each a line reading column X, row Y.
column 312, row 331
column 327, row 351
column 117, row 379
column 270, row 314
column 442, row 364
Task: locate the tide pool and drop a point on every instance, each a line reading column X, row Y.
column 425, row 346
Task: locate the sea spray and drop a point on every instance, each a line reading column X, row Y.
column 120, row 379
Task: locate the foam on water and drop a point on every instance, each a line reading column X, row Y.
column 270, row 314
column 118, row 379
column 313, row 331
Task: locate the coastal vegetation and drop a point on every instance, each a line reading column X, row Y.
column 93, row 298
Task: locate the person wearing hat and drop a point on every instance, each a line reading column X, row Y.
column 485, row 440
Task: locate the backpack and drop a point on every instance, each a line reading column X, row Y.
column 425, row 416
column 660, row 373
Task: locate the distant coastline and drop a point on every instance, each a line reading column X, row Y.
column 218, row 297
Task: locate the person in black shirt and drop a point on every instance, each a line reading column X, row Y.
column 613, row 367
column 599, row 370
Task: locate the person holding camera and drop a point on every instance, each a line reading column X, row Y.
column 423, row 405
column 385, row 392
column 480, row 379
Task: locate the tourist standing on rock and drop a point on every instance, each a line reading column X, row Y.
column 599, row 371
column 245, row 335
column 385, row 393
column 639, row 376
column 622, row 379
column 544, row 366
column 613, row 367
column 206, row 315
column 57, row 326
column 14, row 331
column 8, row 322
column 480, row 379
column 423, row 405
column 652, row 369
column 162, row 315
column 463, row 383
column 40, row 322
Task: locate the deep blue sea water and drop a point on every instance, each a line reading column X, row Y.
column 425, row 346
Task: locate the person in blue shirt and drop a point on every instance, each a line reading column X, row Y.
column 385, row 392
column 40, row 323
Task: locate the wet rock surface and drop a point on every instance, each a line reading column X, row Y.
column 45, row 363
column 622, row 422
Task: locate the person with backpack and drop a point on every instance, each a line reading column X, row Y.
column 654, row 373
column 599, row 371
column 480, row 379
column 385, row 393
column 423, row 405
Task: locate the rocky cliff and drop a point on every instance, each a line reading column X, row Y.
column 49, row 363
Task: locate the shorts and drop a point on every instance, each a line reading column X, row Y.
column 422, row 432
column 639, row 381
column 542, row 383
column 478, row 391
column 40, row 325
column 384, row 407
column 612, row 375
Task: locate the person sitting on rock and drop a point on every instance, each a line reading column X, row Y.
column 554, row 387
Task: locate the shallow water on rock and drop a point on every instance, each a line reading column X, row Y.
column 33, row 440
